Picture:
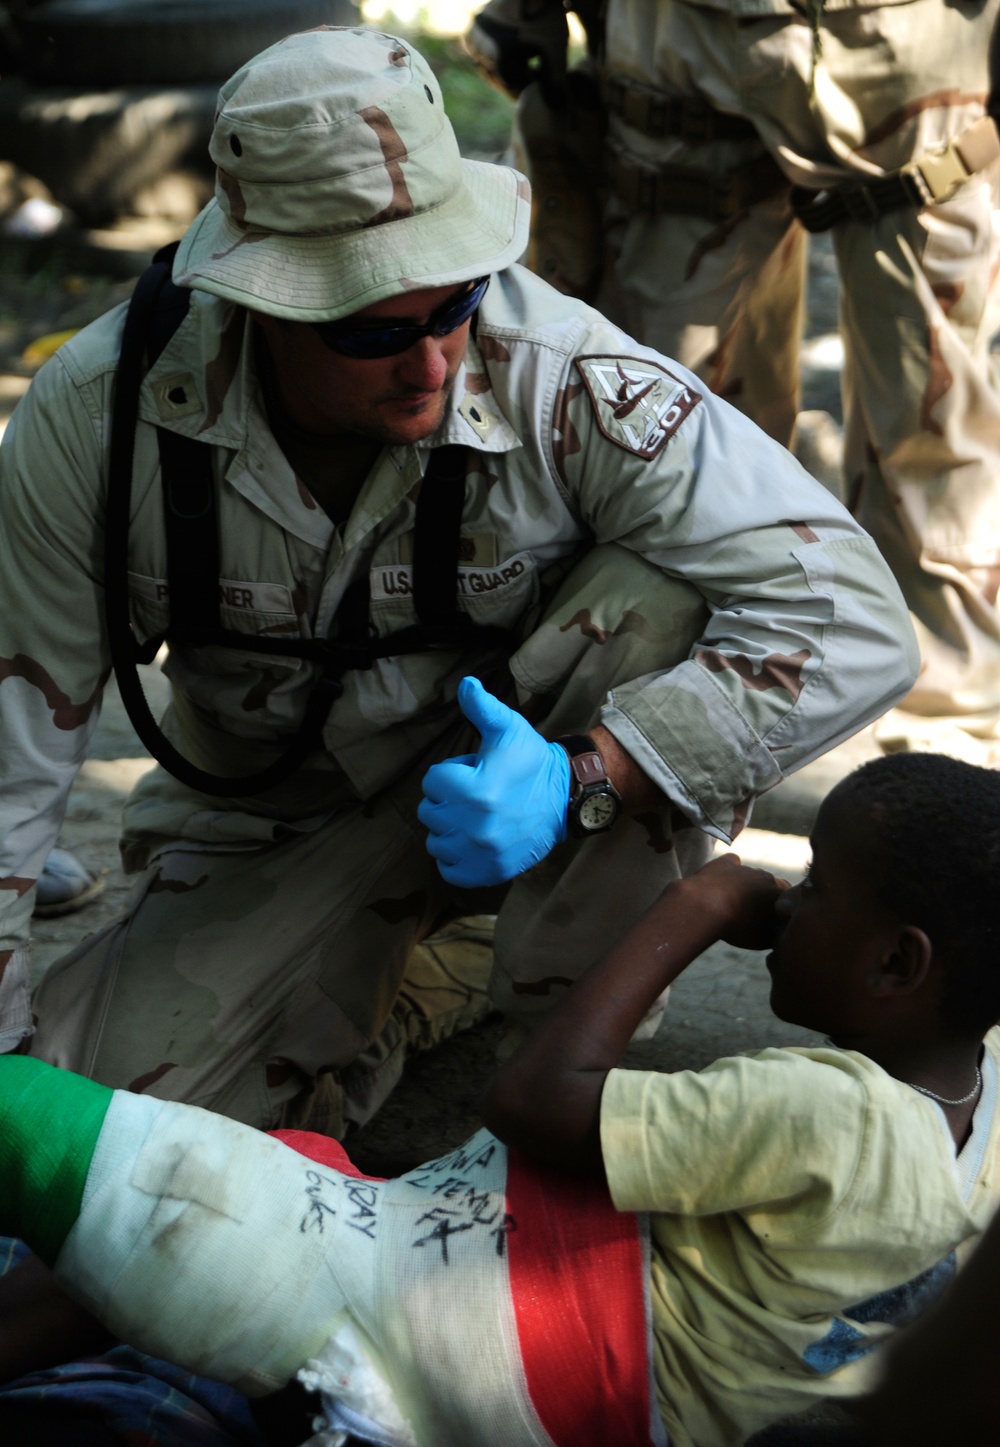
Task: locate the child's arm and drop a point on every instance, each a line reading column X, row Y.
column 546, row 1100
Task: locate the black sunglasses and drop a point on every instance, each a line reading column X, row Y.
column 352, row 338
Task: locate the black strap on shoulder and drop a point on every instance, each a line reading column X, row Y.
column 156, row 310
column 192, row 531
column 147, row 329
column 436, row 530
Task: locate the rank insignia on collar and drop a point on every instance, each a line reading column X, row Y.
column 479, row 417
column 638, row 404
column 176, row 396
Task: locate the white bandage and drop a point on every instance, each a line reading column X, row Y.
column 205, row 1242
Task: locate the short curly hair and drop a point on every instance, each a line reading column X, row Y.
column 936, row 829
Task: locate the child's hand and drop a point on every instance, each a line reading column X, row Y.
column 743, row 899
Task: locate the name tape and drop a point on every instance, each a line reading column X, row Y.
column 395, row 580
column 246, row 597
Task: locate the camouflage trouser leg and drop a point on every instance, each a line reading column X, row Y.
column 922, row 433
column 614, row 619
column 247, row 982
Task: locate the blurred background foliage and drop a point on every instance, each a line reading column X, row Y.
column 480, row 114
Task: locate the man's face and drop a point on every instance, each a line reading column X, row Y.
column 392, row 400
column 834, row 930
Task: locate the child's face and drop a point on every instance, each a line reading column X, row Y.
column 834, row 932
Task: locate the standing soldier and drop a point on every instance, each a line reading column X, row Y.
column 734, row 127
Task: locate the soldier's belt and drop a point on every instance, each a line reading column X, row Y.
column 689, row 191
column 689, row 117
column 930, row 178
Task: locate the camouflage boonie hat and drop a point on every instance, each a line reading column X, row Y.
column 339, row 182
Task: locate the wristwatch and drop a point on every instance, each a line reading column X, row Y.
column 594, row 804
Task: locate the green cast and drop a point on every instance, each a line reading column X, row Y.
column 49, row 1124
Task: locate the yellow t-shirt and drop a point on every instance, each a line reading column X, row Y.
column 804, row 1203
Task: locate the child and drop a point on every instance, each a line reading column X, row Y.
column 803, row 1202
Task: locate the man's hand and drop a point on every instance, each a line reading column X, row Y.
column 740, row 899
column 493, row 814
column 516, row 41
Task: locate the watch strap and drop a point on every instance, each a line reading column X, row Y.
column 585, row 763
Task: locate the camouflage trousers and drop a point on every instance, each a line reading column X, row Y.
column 920, row 290
column 287, row 983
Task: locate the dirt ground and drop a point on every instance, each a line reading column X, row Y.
column 718, row 1007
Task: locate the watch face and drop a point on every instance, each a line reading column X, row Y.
column 598, row 811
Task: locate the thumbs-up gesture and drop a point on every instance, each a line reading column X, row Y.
column 493, row 814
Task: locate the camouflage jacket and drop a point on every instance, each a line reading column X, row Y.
column 575, row 435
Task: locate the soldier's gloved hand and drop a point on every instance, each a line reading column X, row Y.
column 495, row 813
column 517, row 41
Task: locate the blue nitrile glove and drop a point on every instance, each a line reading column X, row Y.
column 495, row 813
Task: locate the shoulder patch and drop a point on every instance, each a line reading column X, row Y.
column 638, row 404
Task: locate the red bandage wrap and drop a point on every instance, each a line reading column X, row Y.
column 322, row 1149
column 578, row 1280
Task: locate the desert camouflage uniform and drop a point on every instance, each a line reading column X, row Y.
column 920, row 293
column 274, row 932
